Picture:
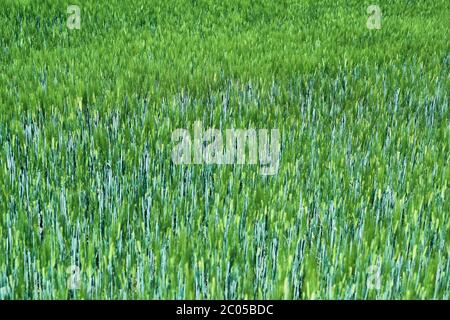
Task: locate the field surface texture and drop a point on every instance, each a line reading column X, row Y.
column 93, row 206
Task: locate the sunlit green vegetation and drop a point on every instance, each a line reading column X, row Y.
column 86, row 176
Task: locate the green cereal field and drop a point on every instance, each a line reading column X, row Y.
column 233, row 149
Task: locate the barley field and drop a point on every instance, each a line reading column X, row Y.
column 92, row 205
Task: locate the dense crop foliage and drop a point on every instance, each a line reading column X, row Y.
column 87, row 181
